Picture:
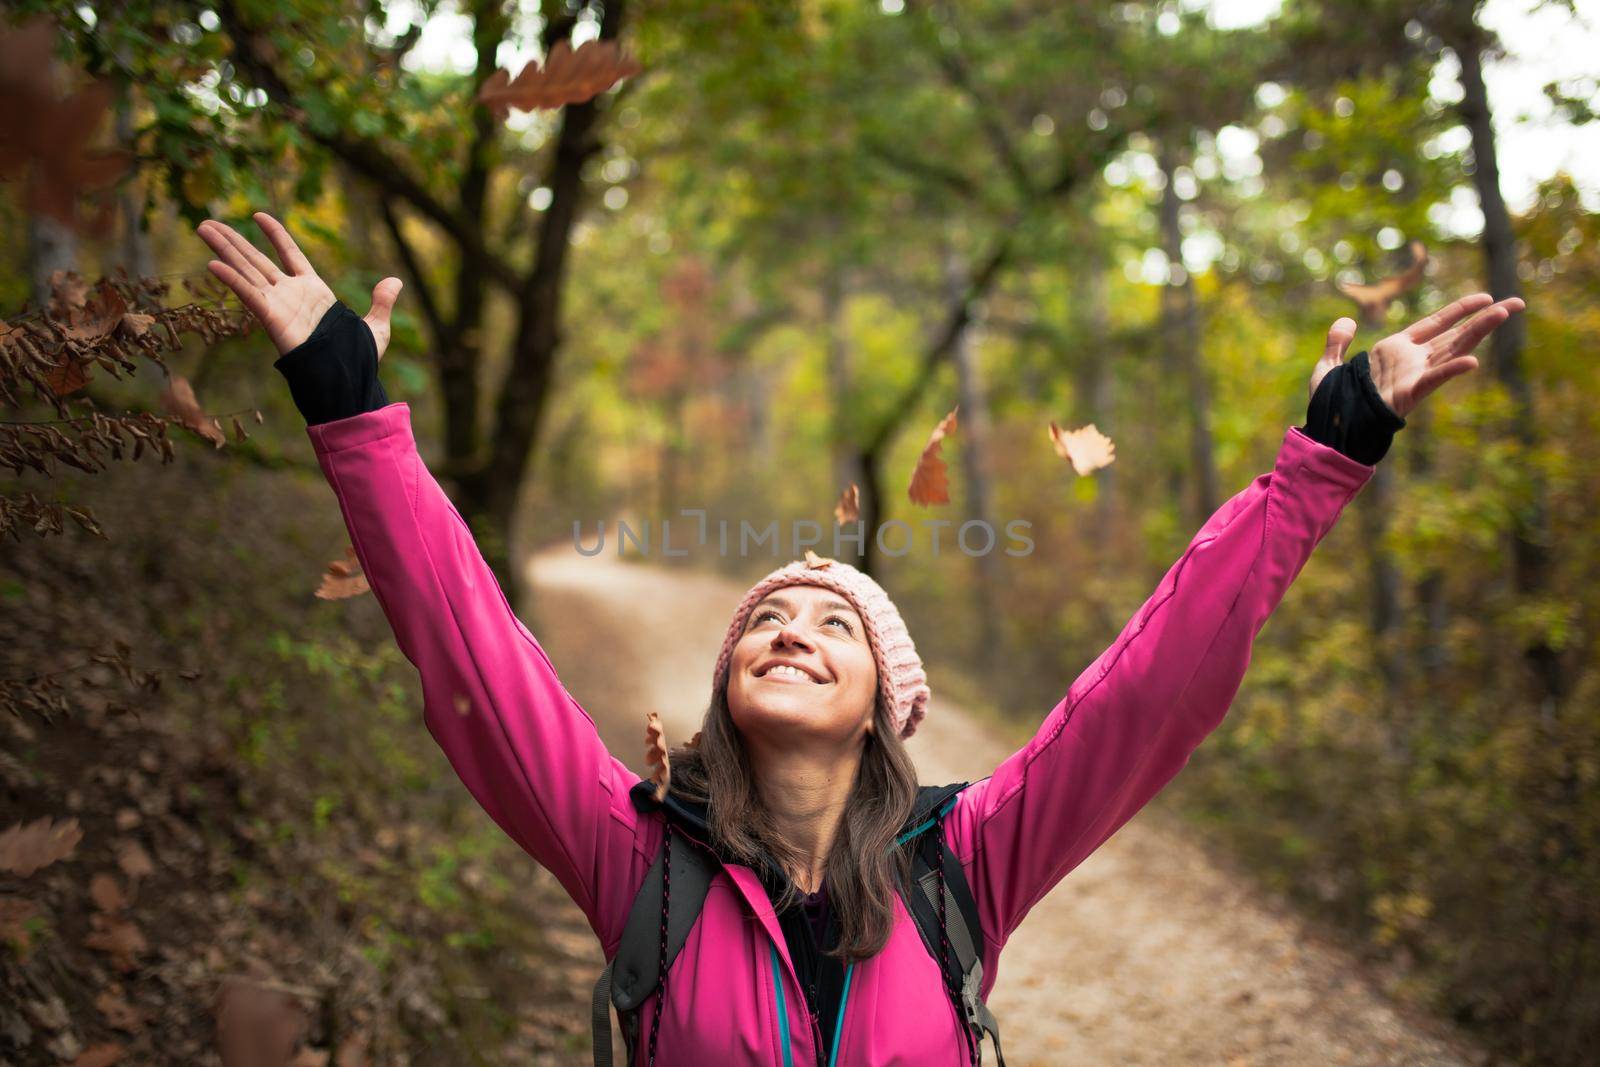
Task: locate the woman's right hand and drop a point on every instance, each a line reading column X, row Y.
column 289, row 302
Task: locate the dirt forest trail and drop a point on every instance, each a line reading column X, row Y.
column 1148, row 953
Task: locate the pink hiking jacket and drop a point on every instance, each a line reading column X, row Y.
column 531, row 757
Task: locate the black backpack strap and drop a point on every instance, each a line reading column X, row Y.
column 635, row 971
column 930, row 857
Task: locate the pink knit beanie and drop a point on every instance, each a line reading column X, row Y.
column 902, row 685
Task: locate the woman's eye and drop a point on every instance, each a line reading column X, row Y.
column 841, row 622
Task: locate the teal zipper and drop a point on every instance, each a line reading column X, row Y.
column 838, row 1026
column 783, row 1010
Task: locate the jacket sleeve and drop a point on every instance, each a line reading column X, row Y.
column 1129, row 723
column 523, row 746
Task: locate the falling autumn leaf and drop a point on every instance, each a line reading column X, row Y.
column 848, row 509
column 569, row 76
column 43, row 136
column 1086, row 448
column 655, row 755
column 929, row 482
column 25, row 849
column 343, row 578
column 179, row 400
column 1375, row 299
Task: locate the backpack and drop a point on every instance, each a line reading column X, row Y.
column 654, row 934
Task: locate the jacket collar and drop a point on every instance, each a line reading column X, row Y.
column 694, row 818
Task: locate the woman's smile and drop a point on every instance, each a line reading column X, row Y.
column 783, row 672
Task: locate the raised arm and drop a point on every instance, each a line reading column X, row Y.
column 1130, row 722
column 524, row 747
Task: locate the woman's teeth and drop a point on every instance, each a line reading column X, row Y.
column 793, row 674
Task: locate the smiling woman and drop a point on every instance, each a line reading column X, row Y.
column 800, row 791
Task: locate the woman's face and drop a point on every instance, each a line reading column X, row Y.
column 831, row 695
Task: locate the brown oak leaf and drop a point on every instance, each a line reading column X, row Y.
column 930, row 484
column 1086, row 448
column 118, row 938
column 569, row 76
column 848, row 509
column 343, row 578
column 179, row 400
column 655, row 755
column 25, row 849
column 1374, row 300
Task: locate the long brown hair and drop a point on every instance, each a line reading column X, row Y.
column 862, row 866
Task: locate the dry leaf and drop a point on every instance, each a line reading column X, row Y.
column 929, row 482
column 816, row 562
column 107, row 894
column 179, row 400
column 70, row 375
column 848, row 509
column 1086, row 448
column 15, row 913
column 102, row 1055
column 569, row 76
column 1375, row 299
column 119, row 1014
column 655, row 755
column 134, row 860
column 343, row 578
column 119, row 938
column 25, row 849
column 353, row 1051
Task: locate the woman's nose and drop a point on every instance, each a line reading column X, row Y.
column 787, row 635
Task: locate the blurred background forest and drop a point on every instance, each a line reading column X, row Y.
column 757, row 270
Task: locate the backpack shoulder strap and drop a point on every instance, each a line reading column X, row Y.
column 930, row 855
column 635, row 971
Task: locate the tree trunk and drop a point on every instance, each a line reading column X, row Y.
column 974, row 423
column 845, row 462
column 134, row 254
column 1097, row 386
column 51, row 247
column 1531, row 561
column 1181, row 321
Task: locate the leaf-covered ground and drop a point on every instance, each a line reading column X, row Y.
column 274, row 845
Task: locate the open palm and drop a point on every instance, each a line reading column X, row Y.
column 1409, row 365
column 289, row 302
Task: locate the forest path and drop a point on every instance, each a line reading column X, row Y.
column 1147, row 953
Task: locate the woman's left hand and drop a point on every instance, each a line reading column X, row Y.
column 1409, row 365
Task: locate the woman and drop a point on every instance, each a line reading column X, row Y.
column 800, row 781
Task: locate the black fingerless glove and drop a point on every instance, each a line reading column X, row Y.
column 333, row 374
column 1348, row 414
